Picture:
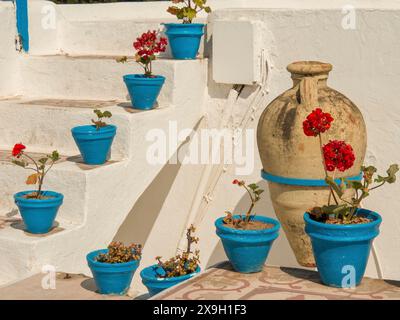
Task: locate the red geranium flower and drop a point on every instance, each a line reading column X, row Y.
column 338, row 155
column 317, row 122
column 236, row 181
column 18, row 149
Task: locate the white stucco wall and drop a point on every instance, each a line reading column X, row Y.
column 8, row 55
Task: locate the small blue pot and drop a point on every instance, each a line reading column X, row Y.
column 341, row 251
column 111, row 278
column 38, row 215
column 143, row 90
column 247, row 250
column 184, row 39
column 156, row 285
column 94, row 144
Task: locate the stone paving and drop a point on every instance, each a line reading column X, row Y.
column 274, row 283
column 217, row 283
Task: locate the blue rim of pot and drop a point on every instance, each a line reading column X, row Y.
column 142, row 77
column 183, row 25
column 343, row 233
column 91, row 129
column 376, row 221
column 90, row 257
column 56, row 197
column 219, row 224
column 153, row 278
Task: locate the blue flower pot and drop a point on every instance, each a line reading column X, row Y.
column 156, row 285
column 94, row 144
column 247, row 250
column 143, row 90
column 38, row 214
column 341, row 251
column 184, row 39
column 111, row 278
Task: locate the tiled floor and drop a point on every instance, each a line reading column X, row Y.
column 221, row 283
column 218, row 283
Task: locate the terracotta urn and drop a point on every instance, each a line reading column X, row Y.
column 292, row 162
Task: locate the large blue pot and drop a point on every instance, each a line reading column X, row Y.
column 38, row 214
column 247, row 250
column 143, row 90
column 94, row 144
column 155, row 284
column 184, row 39
column 341, row 251
column 111, row 278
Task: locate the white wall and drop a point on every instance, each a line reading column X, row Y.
column 8, row 54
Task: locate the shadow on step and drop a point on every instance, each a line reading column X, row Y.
column 142, row 217
column 127, row 106
column 89, row 284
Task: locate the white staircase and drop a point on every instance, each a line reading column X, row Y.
column 59, row 92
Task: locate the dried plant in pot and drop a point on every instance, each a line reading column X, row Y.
column 38, row 207
column 341, row 231
column 145, row 88
column 113, row 268
column 247, row 239
column 184, row 38
column 183, row 266
column 94, row 141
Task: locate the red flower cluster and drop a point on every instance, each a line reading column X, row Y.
column 147, row 45
column 338, row 155
column 317, row 122
column 17, row 150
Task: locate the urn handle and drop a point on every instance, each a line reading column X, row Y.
column 308, row 92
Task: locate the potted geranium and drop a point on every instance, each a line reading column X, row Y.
column 38, row 208
column 341, row 232
column 94, row 141
column 247, row 239
column 145, row 88
column 164, row 275
column 114, row 267
column 184, row 38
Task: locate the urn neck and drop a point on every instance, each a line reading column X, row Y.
column 321, row 79
column 310, row 69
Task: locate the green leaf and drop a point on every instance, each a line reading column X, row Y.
column 122, row 59
column 199, row 3
column 253, row 186
column 335, row 187
column 20, row 163
column 43, row 160
column 357, row 185
column 393, row 169
column 337, row 210
column 189, row 13
column 207, row 9
column 54, row 156
column 107, row 114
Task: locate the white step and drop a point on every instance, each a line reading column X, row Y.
column 68, row 176
column 109, row 37
column 100, row 77
column 45, row 124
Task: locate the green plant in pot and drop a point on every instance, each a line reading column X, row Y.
column 38, row 208
column 177, row 269
column 247, row 238
column 184, row 39
column 144, row 88
column 341, row 231
column 113, row 268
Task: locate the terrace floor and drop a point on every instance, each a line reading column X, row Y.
column 217, row 283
